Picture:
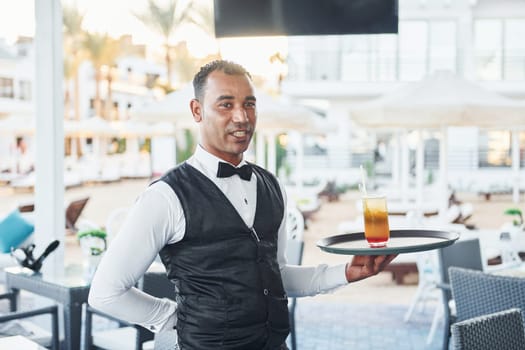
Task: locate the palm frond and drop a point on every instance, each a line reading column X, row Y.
column 72, row 19
column 165, row 20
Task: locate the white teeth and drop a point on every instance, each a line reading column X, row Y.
column 239, row 133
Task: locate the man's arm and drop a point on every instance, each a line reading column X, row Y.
column 311, row 280
column 146, row 230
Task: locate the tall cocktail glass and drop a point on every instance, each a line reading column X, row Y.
column 377, row 231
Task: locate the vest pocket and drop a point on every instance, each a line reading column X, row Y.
column 278, row 314
column 203, row 315
column 246, row 313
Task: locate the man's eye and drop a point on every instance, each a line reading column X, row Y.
column 226, row 105
column 249, row 105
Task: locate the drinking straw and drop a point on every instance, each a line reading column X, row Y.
column 363, row 177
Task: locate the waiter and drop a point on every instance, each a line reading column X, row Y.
column 218, row 224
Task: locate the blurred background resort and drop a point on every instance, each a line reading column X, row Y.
column 435, row 113
column 435, row 109
column 126, row 68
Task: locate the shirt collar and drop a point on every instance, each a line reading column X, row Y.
column 210, row 162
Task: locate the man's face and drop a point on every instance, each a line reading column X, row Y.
column 227, row 115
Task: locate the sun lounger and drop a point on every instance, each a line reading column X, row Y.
column 73, row 212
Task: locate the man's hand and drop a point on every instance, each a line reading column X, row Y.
column 363, row 266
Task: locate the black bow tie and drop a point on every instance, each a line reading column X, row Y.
column 227, row 170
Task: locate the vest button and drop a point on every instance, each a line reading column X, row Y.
column 265, row 291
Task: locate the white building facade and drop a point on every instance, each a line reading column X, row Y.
column 481, row 40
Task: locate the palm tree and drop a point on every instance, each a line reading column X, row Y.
column 73, row 34
column 165, row 20
column 103, row 51
column 204, row 18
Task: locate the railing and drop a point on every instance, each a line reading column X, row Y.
column 373, row 66
column 466, row 159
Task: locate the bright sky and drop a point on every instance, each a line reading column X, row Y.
column 115, row 17
column 16, row 18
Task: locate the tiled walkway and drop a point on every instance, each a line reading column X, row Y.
column 345, row 326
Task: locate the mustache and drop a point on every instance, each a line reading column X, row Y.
column 241, row 126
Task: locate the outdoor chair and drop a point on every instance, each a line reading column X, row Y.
column 37, row 334
column 477, row 293
column 463, row 253
column 127, row 335
column 165, row 340
column 294, row 223
column 330, row 192
column 500, row 330
column 26, row 208
column 428, row 279
column 73, row 212
column 294, row 255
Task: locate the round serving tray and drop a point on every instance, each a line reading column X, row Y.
column 401, row 241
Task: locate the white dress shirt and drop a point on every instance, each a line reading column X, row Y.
column 157, row 219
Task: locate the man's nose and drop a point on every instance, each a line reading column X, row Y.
column 240, row 115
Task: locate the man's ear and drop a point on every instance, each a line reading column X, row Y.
column 196, row 110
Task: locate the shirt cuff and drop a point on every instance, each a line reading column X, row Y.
column 168, row 323
column 335, row 276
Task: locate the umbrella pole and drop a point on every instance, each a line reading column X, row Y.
column 515, row 166
column 443, row 172
column 259, row 150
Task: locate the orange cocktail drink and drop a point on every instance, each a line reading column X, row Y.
column 377, row 231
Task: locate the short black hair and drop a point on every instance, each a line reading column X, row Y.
column 228, row 67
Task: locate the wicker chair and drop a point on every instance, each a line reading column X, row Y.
column 463, row 253
column 477, row 293
column 500, row 330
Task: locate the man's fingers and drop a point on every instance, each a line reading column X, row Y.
column 363, row 266
column 383, row 260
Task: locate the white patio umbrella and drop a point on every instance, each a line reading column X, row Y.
column 274, row 117
column 441, row 100
column 89, row 127
column 17, row 125
column 131, row 128
column 437, row 102
column 280, row 116
column 95, row 127
column 273, row 114
column 174, row 108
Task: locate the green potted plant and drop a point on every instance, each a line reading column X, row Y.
column 93, row 244
column 515, row 212
column 516, row 229
column 93, row 241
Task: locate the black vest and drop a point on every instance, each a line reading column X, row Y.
column 229, row 289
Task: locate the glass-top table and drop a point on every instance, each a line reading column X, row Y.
column 70, row 289
column 19, row 342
